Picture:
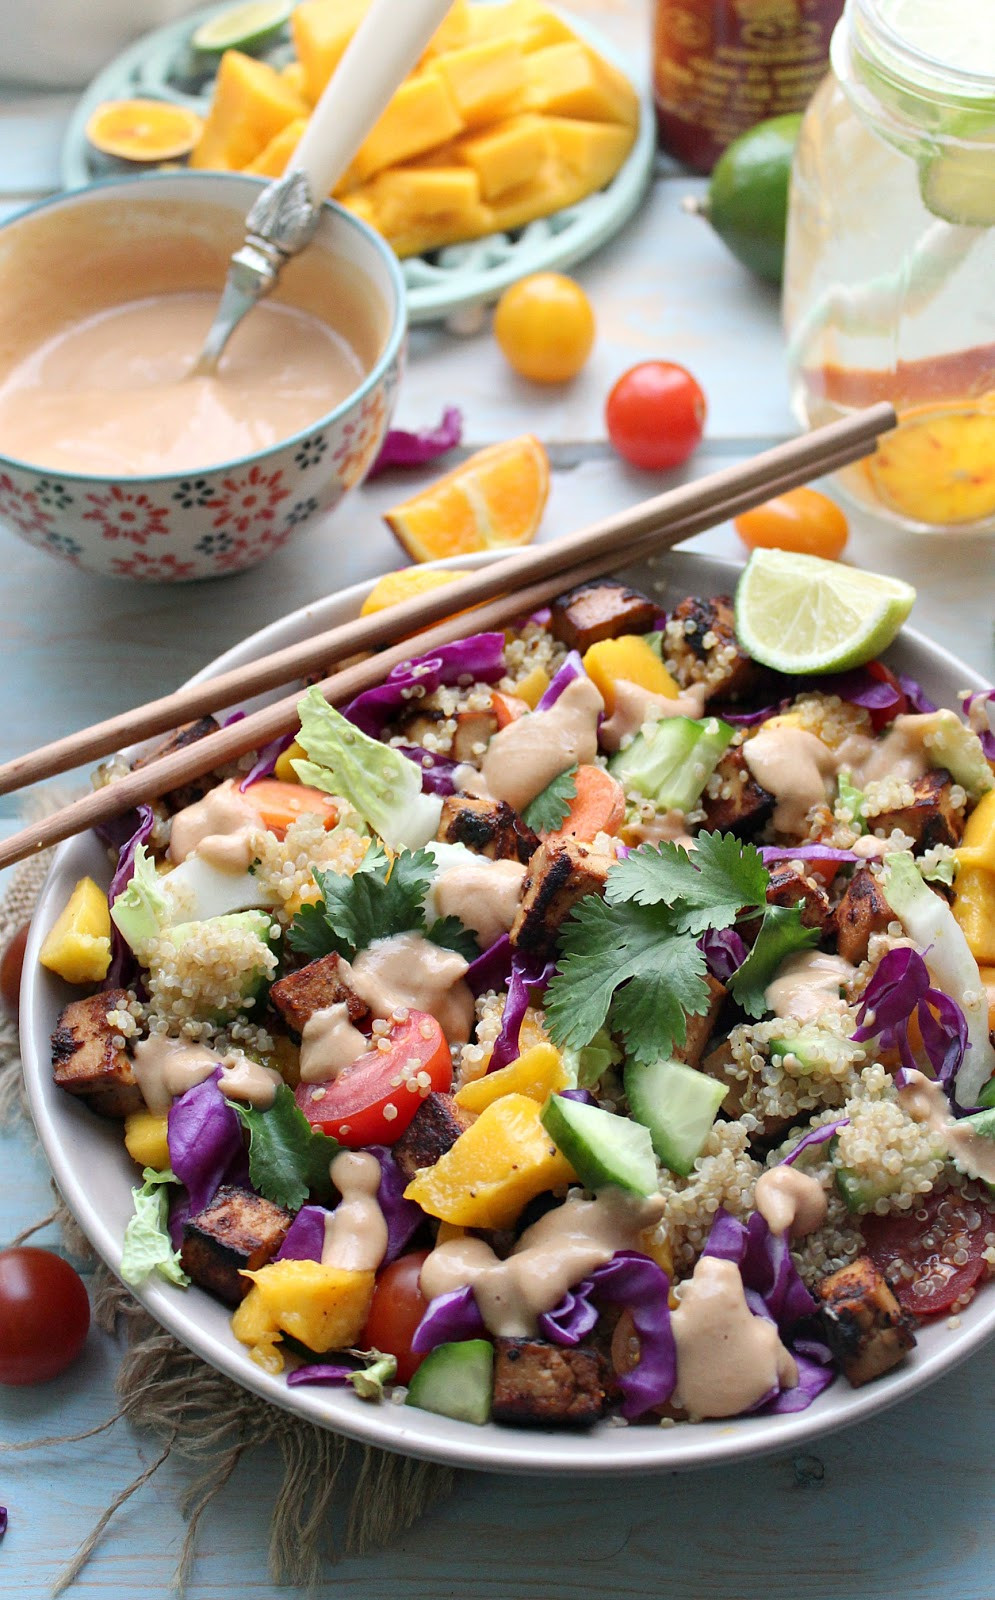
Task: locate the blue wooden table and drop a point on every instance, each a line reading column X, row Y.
column 899, row 1507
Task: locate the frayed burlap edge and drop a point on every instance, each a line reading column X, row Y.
column 335, row 1496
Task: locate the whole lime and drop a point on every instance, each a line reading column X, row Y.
column 747, row 200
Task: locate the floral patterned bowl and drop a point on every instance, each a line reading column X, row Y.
column 220, row 519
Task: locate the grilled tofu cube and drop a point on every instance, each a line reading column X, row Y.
column 864, row 1324
column 733, row 802
column 238, row 1231
column 189, row 793
column 600, row 610
column 474, row 732
column 700, row 1029
column 491, row 827
column 86, row 1061
column 862, row 911
column 701, row 642
column 542, row 1384
column 313, row 988
column 561, row 872
column 789, row 887
column 931, row 819
column 434, row 1129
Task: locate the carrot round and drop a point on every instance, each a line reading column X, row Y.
column 507, row 707
column 597, row 807
column 279, row 804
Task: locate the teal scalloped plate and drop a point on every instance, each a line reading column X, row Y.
column 163, row 66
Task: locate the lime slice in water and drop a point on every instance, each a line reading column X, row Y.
column 957, row 182
column 799, row 613
column 242, row 27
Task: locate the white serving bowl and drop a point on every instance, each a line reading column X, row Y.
column 96, row 1176
column 208, row 521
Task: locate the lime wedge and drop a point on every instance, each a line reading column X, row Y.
column 242, row 27
column 799, row 613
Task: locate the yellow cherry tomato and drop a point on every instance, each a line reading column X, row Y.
column 545, row 327
column 802, row 520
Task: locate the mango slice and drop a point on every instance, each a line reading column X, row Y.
column 251, row 104
column 78, row 947
column 145, row 1138
column 494, row 1169
column 421, row 115
column 572, row 80
column 324, row 1307
column 974, row 908
column 590, row 152
column 630, row 659
column 321, row 29
column 485, row 80
column 272, row 159
column 509, row 153
column 538, row 1073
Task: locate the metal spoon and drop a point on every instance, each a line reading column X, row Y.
column 385, row 47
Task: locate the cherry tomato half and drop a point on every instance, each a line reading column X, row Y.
column 44, row 1315
column 11, row 967
column 396, row 1309
column 655, row 415
column 371, row 1101
column 545, row 327
column 802, row 520
column 930, row 1246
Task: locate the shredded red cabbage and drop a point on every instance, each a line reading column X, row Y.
column 527, row 980
column 204, row 1136
column 124, row 968
column 635, row 1282
column 480, row 658
column 492, row 968
column 765, row 1264
column 403, row 1217
column 585, row 1096
column 872, row 687
column 986, row 735
column 916, row 695
column 436, row 771
column 305, row 1238
column 771, row 854
column 749, row 719
column 571, row 668
column 724, row 950
column 813, row 1378
column 331, row 1373
column 266, row 760
column 449, row 1318
column 403, row 449
column 899, row 989
column 813, row 1137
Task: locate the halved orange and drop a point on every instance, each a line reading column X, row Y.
column 143, row 130
column 938, row 466
column 396, row 587
column 495, row 498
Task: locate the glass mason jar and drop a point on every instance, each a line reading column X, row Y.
column 889, row 287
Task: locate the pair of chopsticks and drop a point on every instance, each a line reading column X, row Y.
column 509, row 588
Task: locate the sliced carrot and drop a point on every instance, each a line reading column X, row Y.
column 279, row 804
column 597, row 807
column 507, row 707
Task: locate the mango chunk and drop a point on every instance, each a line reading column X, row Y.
column 496, row 1167
column 321, row 30
column 272, row 159
column 251, row 104
column 533, row 25
column 572, row 80
column 145, row 1138
column 548, row 191
column 295, row 78
column 78, row 947
column 324, row 1307
column 631, row 659
column 421, row 115
column 538, row 1073
column 485, row 80
column 590, row 151
column 977, row 848
column 532, row 687
column 507, row 154
column 284, row 769
column 974, row 908
column 406, row 198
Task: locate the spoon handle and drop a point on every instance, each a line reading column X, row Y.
column 381, row 53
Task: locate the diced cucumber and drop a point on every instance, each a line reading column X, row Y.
column 670, row 761
column 456, row 1380
column 851, row 799
column 678, row 1105
column 812, row 1048
column 958, row 748
column 601, row 1147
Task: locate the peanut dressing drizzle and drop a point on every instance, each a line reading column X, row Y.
column 409, row 973
column 807, row 984
column 791, row 1201
column 220, row 829
column 249, row 1081
column 165, row 1068
column 530, row 752
column 483, row 894
column 635, row 706
column 795, row 767
column 727, row 1359
column 925, row 1102
column 355, row 1232
column 329, row 1043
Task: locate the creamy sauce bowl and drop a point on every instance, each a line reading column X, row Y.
column 112, row 456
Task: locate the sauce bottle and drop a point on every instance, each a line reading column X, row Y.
column 720, row 66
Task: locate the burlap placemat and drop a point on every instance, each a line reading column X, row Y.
column 335, row 1496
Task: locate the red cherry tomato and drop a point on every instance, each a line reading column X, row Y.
column 802, row 520
column 655, row 415
column 11, row 967
column 396, row 1309
column 371, row 1101
column 930, row 1246
column 44, row 1315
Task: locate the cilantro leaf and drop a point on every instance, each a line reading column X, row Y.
column 451, row 934
column 381, row 898
column 706, row 888
column 551, row 805
column 310, row 935
column 781, row 934
column 288, row 1159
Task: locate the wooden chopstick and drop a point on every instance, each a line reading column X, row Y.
column 322, row 650
column 259, row 727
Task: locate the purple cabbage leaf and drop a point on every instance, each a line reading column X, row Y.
column 305, row 1238
column 204, row 1136
column 266, row 761
column 449, row 1318
column 528, row 980
column 899, row 990
column 402, row 448
column 480, row 658
column 636, row 1283
column 572, row 667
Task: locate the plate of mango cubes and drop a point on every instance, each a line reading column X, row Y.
column 521, row 143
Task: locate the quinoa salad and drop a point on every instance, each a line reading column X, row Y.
column 587, row 1024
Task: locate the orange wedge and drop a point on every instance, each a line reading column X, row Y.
column 938, row 466
column 495, row 498
column 143, row 130
column 395, row 587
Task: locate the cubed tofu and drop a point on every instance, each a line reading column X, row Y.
column 314, row 988
column 932, row 818
column 491, row 827
column 701, row 1028
column 862, row 911
column 189, row 734
column 505, row 155
column 701, row 642
column 239, row 1231
column 733, row 801
column 87, row 1061
column 789, row 887
column 474, row 732
column 548, row 1384
column 864, row 1324
column 433, row 1130
column 600, row 610
column 561, row 873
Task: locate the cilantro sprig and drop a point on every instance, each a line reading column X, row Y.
column 288, row 1159
column 631, row 961
column 384, row 896
column 551, row 806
